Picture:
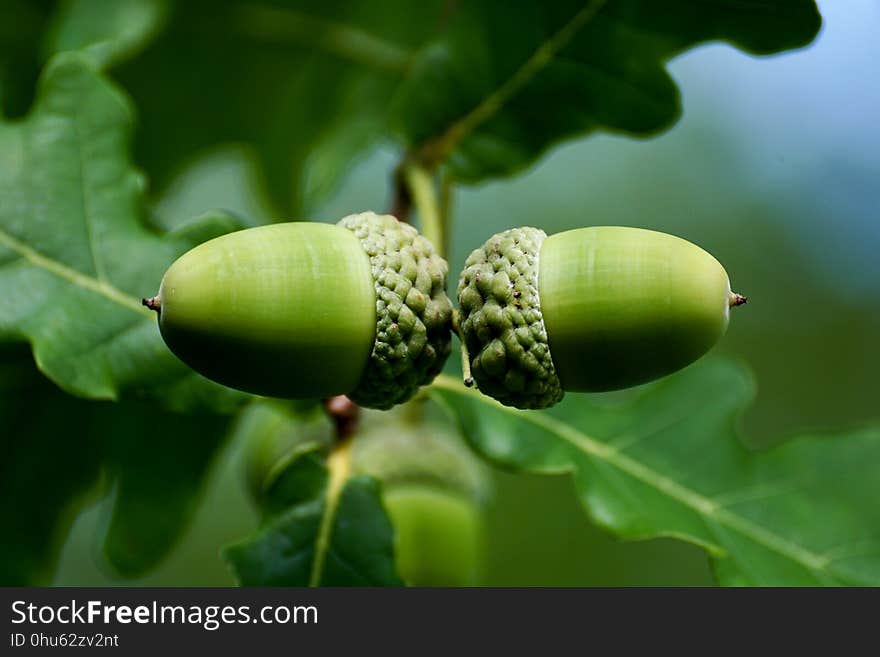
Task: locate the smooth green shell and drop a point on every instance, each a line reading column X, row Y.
column 312, row 310
column 591, row 309
column 439, row 536
column 284, row 310
column 624, row 306
column 435, row 490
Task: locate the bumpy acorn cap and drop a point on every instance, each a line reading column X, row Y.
column 501, row 321
column 413, row 313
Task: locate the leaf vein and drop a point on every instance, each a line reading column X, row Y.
column 339, row 466
column 700, row 504
column 72, row 276
column 85, row 204
column 344, row 41
column 437, row 149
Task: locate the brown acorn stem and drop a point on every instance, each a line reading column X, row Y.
column 401, row 202
column 153, row 303
column 344, row 413
column 735, row 300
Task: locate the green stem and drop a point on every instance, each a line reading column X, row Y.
column 288, row 26
column 465, row 355
column 435, row 216
column 424, row 194
column 339, row 470
column 446, row 203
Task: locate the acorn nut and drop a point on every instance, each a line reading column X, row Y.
column 307, row 310
column 434, row 490
column 587, row 310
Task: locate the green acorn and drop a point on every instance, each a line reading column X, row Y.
column 306, row 310
column 587, row 310
column 434, row 490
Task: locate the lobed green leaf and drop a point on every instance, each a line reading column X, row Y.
column 105, row 32
column 75, row 256
column 322, row 526
column 669, row 463
column 504, row 82
column 305, row 85
column 486, row 87
column 483, row 87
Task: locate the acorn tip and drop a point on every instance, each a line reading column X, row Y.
column 153, row 303
column 737, row 300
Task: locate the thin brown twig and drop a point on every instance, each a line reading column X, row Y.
column 401, row 201
column 345, row 415
column 450, row 7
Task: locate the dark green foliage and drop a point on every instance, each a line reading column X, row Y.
column 476, row 89
column 55, row 449
column 670, row 463
column 311, row 537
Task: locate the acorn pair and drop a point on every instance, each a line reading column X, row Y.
column 360, row 308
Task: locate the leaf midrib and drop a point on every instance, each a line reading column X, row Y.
column 339, row 469
column 72, row 276
column 438, row 148
column 705, row 507
column 347, row 42
column 85, row 200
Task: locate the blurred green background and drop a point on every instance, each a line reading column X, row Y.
column 774, row 168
